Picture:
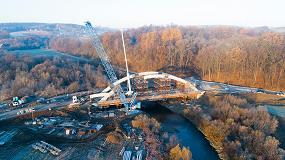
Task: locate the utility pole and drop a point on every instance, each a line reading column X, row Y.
column 128, row 75
column 89, row 113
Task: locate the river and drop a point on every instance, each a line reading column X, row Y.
column 186, row 132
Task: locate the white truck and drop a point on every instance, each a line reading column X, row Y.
column 16, row 101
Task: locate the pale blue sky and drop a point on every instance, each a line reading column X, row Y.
column 134, row 13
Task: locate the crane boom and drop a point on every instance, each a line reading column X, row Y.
column 106, row 63
column 128, row 75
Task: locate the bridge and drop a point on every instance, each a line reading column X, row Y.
column 149, row 86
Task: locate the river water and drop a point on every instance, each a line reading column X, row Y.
column 187, row 134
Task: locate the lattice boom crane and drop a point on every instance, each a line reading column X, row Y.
column 107, row 64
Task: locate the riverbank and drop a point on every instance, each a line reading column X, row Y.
column 184, row 130
column 178, row 108
column 231, row 124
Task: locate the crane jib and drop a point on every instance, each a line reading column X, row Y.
column 107, row 64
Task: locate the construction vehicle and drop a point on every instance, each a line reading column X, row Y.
column 17, row 102
column 108, row 67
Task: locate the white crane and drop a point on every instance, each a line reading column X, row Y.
column 107, row 65
column 128, row 75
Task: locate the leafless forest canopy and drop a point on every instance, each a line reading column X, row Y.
column 237, row 127
column 26, row 75
column 243, row 56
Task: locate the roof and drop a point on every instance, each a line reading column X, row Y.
column 96, row 126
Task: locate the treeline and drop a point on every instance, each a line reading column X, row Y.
column 244, row 56
column 25, row 76
column 4, row 34
column 28, row 42
column 236, row 129
column 15, row 36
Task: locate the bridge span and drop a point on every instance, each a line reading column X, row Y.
column 150, row 86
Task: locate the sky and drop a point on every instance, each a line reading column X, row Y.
column 135, row 13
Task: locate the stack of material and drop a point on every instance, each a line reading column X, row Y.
column 140, row 84
column 45, row 147
column 127, row 155
column 139, row 155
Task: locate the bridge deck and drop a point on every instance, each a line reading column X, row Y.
column 117, row 102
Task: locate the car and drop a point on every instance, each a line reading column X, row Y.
column 20, row 112
column 259, row 90
column 15, row 104
column 280, row 93
column 41, row 100
column 28, row 110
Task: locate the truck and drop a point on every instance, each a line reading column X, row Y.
column 17, row 102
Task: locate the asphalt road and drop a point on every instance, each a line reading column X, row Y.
column 60, row 101
column 13, row 113
column 227, row 88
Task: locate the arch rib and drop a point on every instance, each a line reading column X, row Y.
column 107, row 92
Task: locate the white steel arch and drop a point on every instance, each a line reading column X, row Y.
column 107, row 92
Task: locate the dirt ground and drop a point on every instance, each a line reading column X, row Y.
column 20, row 146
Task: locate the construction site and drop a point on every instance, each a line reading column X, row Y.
column 96, row 125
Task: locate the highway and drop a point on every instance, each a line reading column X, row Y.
column 13, row 113
column 227, row 88
column 59, row 101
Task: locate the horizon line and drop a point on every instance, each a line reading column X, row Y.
column 158, row 25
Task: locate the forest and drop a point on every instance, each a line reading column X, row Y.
column 242, row 56
column 25, row 75
column 237, row 128
column 21, row 43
